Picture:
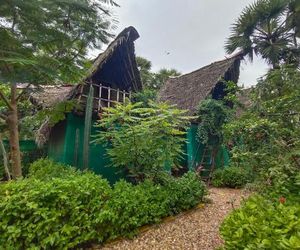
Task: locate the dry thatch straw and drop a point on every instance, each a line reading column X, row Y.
column 49, row 96
column 188, row 90
column 117, row 64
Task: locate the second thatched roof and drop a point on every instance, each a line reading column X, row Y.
column 188, row 90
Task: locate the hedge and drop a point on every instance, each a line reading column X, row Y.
column 74, row 208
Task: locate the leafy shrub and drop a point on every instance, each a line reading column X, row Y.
column 133, row 206
column 46, row 169
column 52, row 214
column 262, row 224
column 184, row 192
column 29, row 157
column 233, row 177
column 142, row 140
column 60, row 208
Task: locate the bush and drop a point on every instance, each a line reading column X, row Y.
column 262, row 224
column 233, row 177
column 58, row 208
column 133, row 206
column 46, row 169
column 55, row 214
column 184, row 192
column 143, row 140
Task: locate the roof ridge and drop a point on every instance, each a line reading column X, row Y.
column 209, row 65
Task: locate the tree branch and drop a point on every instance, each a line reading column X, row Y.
column 261, row 31
column 4, row 117
column 23, row 92
column 2, row 96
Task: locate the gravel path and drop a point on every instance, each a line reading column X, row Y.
column 198, row 229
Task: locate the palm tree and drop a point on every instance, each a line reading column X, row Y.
column 264, row 28
column 294, row 13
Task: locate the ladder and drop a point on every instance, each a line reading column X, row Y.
column 206, row 166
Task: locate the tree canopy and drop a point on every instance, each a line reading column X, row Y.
column 46, row 41
column 267, row 28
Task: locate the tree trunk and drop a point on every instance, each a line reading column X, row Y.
column 5, row 161
column 12, row 122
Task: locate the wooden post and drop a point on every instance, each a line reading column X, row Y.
column 118, row 95
column 108, row 97
column 124, row 96
column 100, row 94
column 129, row 95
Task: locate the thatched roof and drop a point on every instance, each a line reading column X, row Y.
column 116, row 67
column 186, row 91
column 49, row 96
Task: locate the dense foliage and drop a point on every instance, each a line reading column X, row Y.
column 46, row 42
column 233, row 177
column 265, row 139
column 58, row 208
column 143, row 141
column 213, row 114
column 269, row 29
column 263, row 224
column 52, row 45
column 51, row 214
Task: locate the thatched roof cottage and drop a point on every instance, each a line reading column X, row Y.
column 187, row 91
column 114, row 76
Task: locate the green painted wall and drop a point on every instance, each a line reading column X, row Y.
column 66, row 146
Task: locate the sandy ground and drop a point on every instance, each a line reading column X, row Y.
column 198, row 229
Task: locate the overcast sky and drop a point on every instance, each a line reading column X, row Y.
column 185, row 34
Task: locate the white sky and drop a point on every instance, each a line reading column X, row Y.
column 185, row 34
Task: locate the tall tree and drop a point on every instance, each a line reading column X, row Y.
column 265, row 28
column 162, row 76
column 154, row 80
column 43, row 42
